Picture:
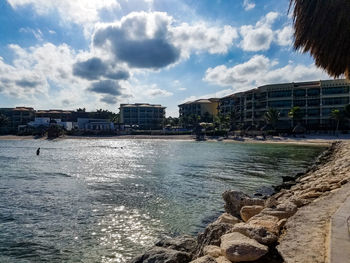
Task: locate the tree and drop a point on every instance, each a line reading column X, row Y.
column 81, row 110
column 296, row 115
column 322, row 28
column 232, row 118
column 338, row 116
column 103, row 114
column 347, row 111
column 271, row 117
column 3, row 120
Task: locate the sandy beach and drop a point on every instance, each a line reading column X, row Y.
column 306, row 140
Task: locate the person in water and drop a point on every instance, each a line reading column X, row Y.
column 38, row 151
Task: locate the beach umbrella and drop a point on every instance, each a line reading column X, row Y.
column 322, row 27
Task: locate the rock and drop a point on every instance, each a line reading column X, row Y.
column 311, row 194
column 264, row 192
column 235, row 200
column 205, row 259
column 269, row 222
column 237, row 247
column 228, row 219
column 271, row 202
column 287, row 178
column 222, row 259
column 250, row 211
column 257, row 233
column 299, row 202
column 344, row 181
column 211, row 236
column 213, row 251
column 163, row 255
column 283, row 210
column 182, row 243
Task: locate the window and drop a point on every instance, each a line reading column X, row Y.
column 314, row 102
column 279, row 94
column 313, row 92
column 280, row 104
column 313, row 112
column 299, row 93
column 335, row 101
column 300, row 103
column 335, row 90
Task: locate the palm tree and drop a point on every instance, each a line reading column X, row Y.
column 232, row 117
column 271, row 117
column 323, row 28
column 338, row 116
column 295, row 114
column 347, row 111
column 3, row 120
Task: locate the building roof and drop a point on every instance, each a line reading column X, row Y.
column 23, row 109
column 143, row 105
column 201, row 101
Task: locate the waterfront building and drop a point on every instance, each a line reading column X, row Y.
column 87, row 124
column 316, row 100
column 17, row 116
column 46, row 122
column 205, row 108
column 142, row 115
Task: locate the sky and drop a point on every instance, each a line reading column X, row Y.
column 100, row 53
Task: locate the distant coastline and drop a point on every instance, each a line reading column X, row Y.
column 309, row 139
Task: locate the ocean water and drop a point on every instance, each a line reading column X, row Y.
column 108, row 200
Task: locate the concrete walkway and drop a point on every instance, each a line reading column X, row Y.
column 339, row 247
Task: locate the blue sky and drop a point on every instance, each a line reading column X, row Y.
column 98, row 54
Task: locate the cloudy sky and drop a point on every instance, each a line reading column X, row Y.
column 100, row 53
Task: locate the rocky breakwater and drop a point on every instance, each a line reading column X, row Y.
column 251, row 228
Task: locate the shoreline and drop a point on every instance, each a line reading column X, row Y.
column 321, row 140
column 292, row 225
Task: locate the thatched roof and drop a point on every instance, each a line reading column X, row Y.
column 322, row 27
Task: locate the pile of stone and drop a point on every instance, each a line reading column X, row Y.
column 251, row 227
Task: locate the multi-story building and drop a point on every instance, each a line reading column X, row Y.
column 18, row 116
column 203, row 107
column 142, row 115
column 316, row 100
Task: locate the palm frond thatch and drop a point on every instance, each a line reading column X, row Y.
column 322, row 27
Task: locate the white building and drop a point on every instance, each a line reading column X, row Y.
column 94, row 124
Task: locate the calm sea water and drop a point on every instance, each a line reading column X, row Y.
column 108, row 200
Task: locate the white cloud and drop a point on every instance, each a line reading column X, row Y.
column 151, row 40
column 43, row 76
column 36, row 32
column 260, row 36
column 248, row 5
column 260, row 70
column 156, row 92
column 77, row 11
column 285, row 36
column 202, row 37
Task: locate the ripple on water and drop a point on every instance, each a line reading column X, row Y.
column 91, row 201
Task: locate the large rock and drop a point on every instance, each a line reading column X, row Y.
column 163, row 255
column 237, row 247
column 227, row 219
column 249, row 211
column 270, row 223
column 205, row 259
column 258, row 233
column 235, row 200
column 181, row 243
column 284, row 210
column 211, row 236
column 213, row 251
column 222, row 259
